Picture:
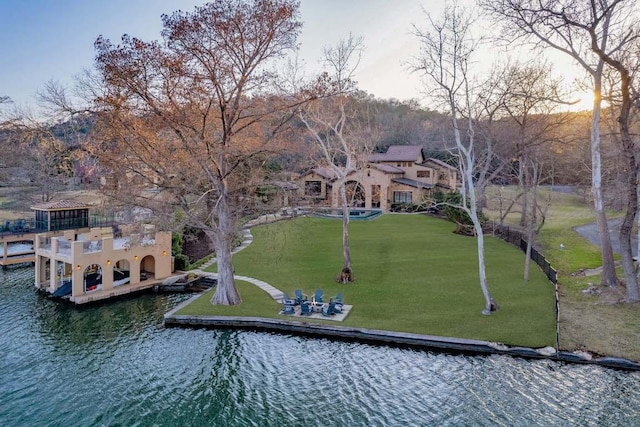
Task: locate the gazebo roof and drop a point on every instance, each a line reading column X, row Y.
column 60, row 205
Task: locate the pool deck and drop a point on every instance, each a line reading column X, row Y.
column 297, row 325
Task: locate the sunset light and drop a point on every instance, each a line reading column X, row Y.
column 581, row 101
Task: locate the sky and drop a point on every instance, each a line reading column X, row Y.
column 43, row 40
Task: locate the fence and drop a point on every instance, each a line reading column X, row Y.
column 516, row 238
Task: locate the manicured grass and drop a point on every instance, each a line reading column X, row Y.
column 412, row 275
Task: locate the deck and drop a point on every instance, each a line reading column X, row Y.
column 99, row 295
column 21, row 255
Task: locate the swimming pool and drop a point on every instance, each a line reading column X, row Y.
column 355, row 214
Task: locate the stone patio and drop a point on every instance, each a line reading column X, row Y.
column 338, row 317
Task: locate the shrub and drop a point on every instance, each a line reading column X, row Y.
column 181, row 262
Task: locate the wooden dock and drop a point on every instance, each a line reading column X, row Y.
column 20, row 257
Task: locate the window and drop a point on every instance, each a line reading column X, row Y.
column 443, row 176
column 402, row 197
column 424, row 174
column 313, row 188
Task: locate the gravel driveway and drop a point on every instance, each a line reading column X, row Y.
column 590, row 232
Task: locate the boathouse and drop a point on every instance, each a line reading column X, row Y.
column 89, row 264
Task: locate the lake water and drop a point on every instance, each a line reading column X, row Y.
column 115, row 364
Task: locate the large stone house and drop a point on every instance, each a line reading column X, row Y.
column 401, row 175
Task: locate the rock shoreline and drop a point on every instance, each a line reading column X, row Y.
column 390, row 338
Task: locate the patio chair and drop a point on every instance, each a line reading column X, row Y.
column 306, row 308
column 318, row 295
column 287, row 300
column 329, row 309
column 338, row 301
column 338, row 298
column 287, row 309
column 338, row 305
column 299, row 297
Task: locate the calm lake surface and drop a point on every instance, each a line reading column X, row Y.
column 115, row 364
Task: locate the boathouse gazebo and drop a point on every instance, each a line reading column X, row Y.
column 61, row 215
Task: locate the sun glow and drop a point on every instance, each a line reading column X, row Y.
column 582, row 101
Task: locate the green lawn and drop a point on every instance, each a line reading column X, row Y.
column 412, row 275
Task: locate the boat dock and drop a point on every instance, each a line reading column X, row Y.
column 17, row 248
column 104, row 294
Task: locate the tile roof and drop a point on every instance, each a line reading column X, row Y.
column 386, row 168
column 439, row 163
column 399, row 153
column 60, row 204
column 326, row 173
column 412, row 183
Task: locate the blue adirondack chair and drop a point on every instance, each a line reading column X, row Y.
column 318, row 296
column 338, row 301
column 338, row 298
column 329, row 309
column 300, row 297
column 287, row 300
column 305, row 308
column 288, row 309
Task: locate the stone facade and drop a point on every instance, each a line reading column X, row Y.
column 401, row 175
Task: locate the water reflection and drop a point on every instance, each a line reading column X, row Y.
column 115, row 364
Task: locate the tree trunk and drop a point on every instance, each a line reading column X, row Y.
column 638, row 223
column 490, row 305
column 522, row 178
column 226, row 292
column 346, row 274
column 626, row 227
column 481, row 200
column 609, row 277
column 531, row 225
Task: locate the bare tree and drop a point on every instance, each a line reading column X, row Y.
column 447, row 47
column 542, row 21
column 530, row 97
column 330, row 121
column 616, row 59
column 193, row 116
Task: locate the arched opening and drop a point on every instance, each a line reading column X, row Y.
column 375, row 196
column 147, row 267
column 355, row 194
column 121, row 272
column 92, row 278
